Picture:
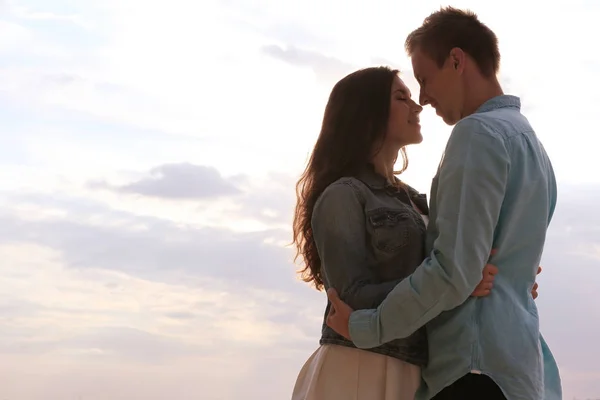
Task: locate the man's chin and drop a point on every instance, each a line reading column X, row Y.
column 449, row 121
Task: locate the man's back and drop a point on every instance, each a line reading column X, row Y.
column 497, row 335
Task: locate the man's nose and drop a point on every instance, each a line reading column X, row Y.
column 423, row 99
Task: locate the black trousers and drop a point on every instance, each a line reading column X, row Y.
column 471, row 387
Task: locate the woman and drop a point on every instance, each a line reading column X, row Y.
column 361, row 230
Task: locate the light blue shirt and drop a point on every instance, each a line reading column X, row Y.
column 495, row 188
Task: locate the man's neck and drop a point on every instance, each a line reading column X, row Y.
column 480, row 92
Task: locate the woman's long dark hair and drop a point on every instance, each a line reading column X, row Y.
column 355, row 121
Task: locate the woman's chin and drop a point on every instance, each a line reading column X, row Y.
column 418, row 138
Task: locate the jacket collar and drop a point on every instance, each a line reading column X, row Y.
column 377, row 182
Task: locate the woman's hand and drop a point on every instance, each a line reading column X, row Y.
column 487, row 282
column 534, row 292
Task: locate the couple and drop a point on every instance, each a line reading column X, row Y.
column 427, row 323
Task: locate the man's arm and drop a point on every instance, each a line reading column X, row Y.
column 471, row 188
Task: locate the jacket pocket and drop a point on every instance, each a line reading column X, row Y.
column 390, row 229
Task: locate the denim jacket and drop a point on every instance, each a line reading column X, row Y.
column 369, row 238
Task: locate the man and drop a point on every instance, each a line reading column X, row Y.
column 495, row 188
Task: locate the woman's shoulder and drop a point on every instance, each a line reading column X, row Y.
column 346, row 186
column 340, row 200
column 343, row 191
column 346, row 181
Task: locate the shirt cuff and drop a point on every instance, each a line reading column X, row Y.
column 364, row 329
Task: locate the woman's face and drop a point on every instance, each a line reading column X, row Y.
column 403, row 126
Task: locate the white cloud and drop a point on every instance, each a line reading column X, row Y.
column 183, row 181
column 74, row 308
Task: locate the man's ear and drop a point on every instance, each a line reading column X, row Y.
column 457, row 59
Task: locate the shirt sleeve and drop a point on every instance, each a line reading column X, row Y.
column 472, row 181
column 339, row 231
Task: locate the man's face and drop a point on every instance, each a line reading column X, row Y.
column 440, row 87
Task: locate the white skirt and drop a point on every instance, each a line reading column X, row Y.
column 345, row 373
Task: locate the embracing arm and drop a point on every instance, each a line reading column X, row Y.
column 471, row 187
column 339, row 231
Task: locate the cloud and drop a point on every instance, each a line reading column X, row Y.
column 271, row 200
column 155, row 249
column 128, row 344
column 14, row 36
column 62, row 78
column 265, row 202
column 326, row 68
column 329, row 69
column 266, row 18
column 181, row 315
column 26, row 14
column 182, row 181
column 117, row 343
column 92, row 235
column 77, row 303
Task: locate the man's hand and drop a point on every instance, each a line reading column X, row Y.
column 534, row 292
column 339, row 314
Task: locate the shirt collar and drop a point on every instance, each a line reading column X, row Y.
column 501, row 101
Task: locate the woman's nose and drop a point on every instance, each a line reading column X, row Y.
column 417, row 108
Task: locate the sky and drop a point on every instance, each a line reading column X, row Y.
column 148, row 156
